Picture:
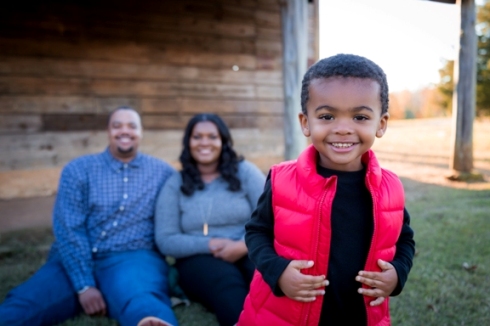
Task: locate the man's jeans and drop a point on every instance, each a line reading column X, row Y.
column 133, row 283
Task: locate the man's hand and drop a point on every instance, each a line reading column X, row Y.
column 92, row 302
column 382, row 283
column 301, row 287
column 227, row 249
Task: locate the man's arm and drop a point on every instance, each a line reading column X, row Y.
column 69, row 227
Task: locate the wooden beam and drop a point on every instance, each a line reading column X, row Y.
column 295, row 45
column 464, row 95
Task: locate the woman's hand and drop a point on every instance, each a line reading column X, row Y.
column 227, row 249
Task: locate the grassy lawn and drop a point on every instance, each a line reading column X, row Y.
column 450, row 281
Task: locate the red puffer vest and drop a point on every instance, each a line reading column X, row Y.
column 302, row 202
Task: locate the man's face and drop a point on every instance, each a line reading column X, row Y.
column 125, row 134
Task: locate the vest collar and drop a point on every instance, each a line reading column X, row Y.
column 313, row 182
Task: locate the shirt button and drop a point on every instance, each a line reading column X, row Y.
column 94, row 249
column 125, row 179
column 125, row 196
column 103, row 233
column 125, row 166
column 121, row 208
column 115, row 223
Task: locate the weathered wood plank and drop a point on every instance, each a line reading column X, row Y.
column 103, row 105
column 271, row 34
column 268, row 19
column 74, row 122
column 70, row 20
column 29, row 66
column 165, row 122
column 10, row 85
column 194, row 106
column 10, row 123
column 124, row 52
column 55, row 149
column 40, row 104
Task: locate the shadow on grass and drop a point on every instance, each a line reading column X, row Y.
column 448, row 285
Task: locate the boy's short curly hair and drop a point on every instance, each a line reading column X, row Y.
column 345, row 65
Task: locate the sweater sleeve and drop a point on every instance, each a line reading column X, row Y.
column 169, row 236
column 405, row 250
column 253, row 181
column 259, row 238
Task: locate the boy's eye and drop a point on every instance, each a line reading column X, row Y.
column 326, row 117
column 361, row 117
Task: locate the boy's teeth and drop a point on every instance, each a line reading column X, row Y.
column 343, row 145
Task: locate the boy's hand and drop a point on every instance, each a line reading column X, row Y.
column 301, row 287
column 382, row 283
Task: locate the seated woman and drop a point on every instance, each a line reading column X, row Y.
column 201, row 214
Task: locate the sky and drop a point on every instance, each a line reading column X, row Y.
column 409, row 39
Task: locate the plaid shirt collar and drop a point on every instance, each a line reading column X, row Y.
column 117, row 165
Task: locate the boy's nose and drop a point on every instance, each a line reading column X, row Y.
column 343, row 127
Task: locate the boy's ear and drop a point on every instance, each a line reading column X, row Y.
column 383, row 124
column 303, row 120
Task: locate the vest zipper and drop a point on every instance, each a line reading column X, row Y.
column 307, row 315
column 370, row 252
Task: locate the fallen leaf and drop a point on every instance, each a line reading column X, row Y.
column 469, row 267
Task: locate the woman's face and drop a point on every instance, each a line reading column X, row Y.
column 205, row 143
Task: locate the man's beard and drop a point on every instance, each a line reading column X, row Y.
column 125, row 151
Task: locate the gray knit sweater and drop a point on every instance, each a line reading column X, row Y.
column 179, row 219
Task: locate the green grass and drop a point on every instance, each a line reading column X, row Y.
column 452, row 228
column 23, row 252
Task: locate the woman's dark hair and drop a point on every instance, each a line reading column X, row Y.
column 228, row 159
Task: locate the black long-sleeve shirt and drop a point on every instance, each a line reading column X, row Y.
column 352, row 230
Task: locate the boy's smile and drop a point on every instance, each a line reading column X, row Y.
column 344, row 117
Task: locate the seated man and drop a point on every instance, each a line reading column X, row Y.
column 103, row 261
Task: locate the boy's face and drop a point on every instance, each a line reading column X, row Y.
column 344, row 117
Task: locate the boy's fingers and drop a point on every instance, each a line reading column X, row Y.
column 371, row 292
column 384, row 265
column 310, row 294
column 301, row 264
column 377, row 302
column 308, row 299
column 368, row 281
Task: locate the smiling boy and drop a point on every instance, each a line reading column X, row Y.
column 330, row 237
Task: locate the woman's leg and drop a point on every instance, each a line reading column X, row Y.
column 134, row 284
column 218, row 285
column 47, row 298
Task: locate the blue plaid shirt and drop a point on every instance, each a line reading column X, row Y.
column 104, row 205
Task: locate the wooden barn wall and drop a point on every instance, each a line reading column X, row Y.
column 65, row 64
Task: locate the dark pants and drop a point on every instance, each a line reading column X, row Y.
column 218, row 285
